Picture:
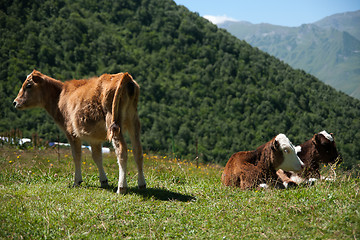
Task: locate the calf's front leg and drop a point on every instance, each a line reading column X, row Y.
column 286, row 181
column 97, row 156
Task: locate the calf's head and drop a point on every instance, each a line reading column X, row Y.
column 287, row 160
column 30, row 93
column 325, row 147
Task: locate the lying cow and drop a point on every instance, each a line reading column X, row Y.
column 321, row 148
column 252, row 168
column 94, row 110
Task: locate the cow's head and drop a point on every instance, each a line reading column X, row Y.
column 288, row 160
column 325, row 147
column 30, row 93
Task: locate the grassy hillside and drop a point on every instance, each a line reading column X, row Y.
column 331, row 55
column 202, row 89
column 182, row 201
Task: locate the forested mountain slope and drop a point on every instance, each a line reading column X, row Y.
column 320, row 49
column 198, row 82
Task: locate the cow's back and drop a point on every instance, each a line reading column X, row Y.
column 238, row 163
column 85, row 105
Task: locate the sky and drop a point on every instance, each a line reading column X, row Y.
column 291, row 13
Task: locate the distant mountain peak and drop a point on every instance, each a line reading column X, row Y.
column 331, row 40
column 347, row 21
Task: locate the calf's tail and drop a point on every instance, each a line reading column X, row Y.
column 114, row 128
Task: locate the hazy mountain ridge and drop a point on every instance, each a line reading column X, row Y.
column 347, row 21
column 330, row 54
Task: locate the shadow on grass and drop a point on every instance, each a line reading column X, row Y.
column 161, row 194
column 156, row 193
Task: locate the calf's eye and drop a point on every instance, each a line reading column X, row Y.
column 28, row 85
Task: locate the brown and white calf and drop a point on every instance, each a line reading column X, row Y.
column 321, row 148
column 95, row 110
column 249, row 169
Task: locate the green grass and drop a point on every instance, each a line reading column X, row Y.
column 182, row 201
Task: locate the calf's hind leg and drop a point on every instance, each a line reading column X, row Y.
column 134, row 131
column 121, row 154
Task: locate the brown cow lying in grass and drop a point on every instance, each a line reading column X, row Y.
column 321, row 148
column 94, row 110
column 251, row 168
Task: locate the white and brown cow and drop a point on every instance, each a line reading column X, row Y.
column 321, row 148
column 249, row 169
column 94, row 110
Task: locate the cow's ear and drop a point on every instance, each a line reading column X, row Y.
column 315, row 139
column 275, row 146
column 37, row 78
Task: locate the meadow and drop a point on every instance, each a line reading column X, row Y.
column 182, row 201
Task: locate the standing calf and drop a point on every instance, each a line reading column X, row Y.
column 94, row 110
column 251, row 168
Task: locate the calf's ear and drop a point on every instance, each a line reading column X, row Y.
column 315, row 139
column 275, row 146
column 36, row 78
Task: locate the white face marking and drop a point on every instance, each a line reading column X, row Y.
column 291, row 161
column 28, row 76
column 326, row 135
